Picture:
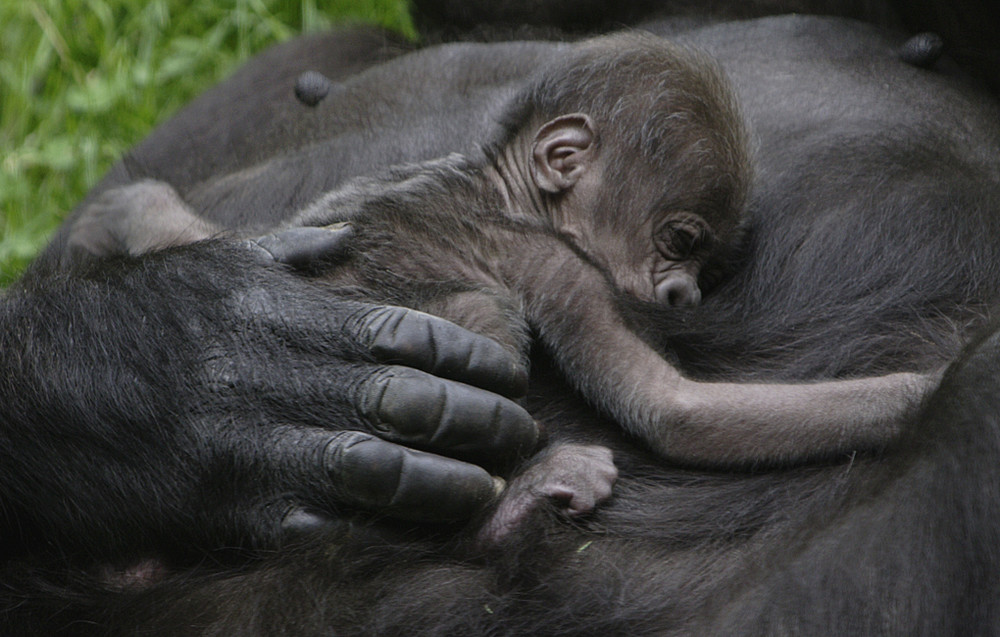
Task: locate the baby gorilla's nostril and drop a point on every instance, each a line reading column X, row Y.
column 678, row 291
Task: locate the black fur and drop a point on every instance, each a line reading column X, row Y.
column 873, row 245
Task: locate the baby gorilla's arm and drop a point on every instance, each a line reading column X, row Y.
column 571, row 305
column 138, row 218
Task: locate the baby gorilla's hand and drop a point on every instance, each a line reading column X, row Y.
column 574, row 478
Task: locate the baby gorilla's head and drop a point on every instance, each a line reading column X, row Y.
column 639, row 154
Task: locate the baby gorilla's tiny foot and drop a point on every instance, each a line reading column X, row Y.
column 576, row 478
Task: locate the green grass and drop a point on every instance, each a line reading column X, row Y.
column 82, row 80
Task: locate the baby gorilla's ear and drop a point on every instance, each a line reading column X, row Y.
column 562, row 151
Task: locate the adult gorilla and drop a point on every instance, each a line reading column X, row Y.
column 872, row 246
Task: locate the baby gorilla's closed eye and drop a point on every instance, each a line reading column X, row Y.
column 682, row 237
column 680, row 241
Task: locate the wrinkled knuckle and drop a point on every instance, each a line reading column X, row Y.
column 259, row 251
column 364, row 468
column 372, row 323
column 392, row 397
column 368, row 393
column 404, row 335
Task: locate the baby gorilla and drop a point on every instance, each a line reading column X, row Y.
column 622, row 164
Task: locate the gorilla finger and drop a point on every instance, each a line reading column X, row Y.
column 415, row 408
column 420, row 340
column 367, row 472
column 308, row 248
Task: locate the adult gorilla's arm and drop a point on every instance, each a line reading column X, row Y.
column 208, row 396
column 213, row 388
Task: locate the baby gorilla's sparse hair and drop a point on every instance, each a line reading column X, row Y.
column 666, row 109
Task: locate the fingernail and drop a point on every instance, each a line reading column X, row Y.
column 499, row 484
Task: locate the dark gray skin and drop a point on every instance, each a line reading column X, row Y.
column 872, row 248
column 491, row 242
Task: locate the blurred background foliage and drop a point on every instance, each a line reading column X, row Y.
column 82, row 80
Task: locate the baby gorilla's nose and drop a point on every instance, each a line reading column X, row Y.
column 678, row 290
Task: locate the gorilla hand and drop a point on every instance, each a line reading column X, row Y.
column 205, row 396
